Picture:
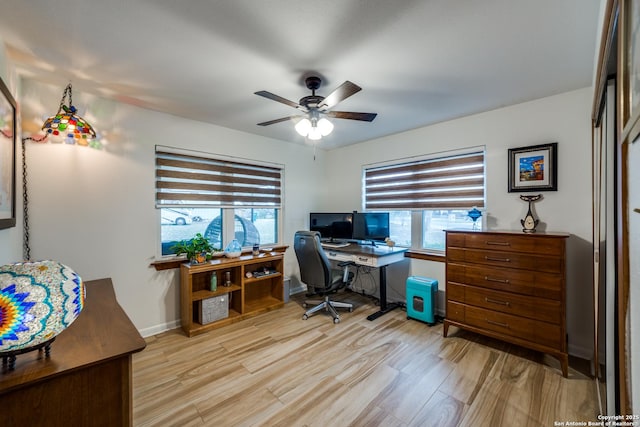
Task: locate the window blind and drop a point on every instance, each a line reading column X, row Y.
column 451, row 182
column 198, row 181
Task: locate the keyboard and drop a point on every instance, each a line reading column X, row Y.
column 334, row 245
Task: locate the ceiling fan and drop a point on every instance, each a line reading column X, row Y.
column 312, row 124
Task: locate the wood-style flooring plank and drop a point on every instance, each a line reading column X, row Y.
column 441, row 410
column 278, row 370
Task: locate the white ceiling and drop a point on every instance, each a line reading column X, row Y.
column 419, row 62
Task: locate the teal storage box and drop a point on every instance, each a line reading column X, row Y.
column 421, row 298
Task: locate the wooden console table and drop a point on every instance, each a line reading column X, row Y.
column 87, row 379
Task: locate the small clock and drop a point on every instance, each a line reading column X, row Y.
column 529, row 223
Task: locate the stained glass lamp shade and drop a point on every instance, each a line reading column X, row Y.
column 66, row 123
column 38, row 300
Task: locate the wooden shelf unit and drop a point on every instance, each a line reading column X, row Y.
column 248, row 296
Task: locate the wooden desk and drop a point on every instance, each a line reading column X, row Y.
column 371, row 256
column 87, row 379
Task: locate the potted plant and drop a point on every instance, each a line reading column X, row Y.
column 196, row 249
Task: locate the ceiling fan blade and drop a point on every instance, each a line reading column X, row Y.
column 365, row 117
column 283, row 119
column 277, row 98
column 343, row 91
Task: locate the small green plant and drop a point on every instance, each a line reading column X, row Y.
column 193, row 247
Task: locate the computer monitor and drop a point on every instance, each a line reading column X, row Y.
column 332, row 225
column 370, row 226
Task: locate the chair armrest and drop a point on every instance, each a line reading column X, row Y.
column 345, row 263
column 345, row 270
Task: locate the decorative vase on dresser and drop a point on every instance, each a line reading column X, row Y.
column 510, row 286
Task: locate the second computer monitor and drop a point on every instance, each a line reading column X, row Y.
column 370, row 226
column 332, row 225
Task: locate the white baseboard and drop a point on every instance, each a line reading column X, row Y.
column 581, row 352
column 154, row 330
column 298, row 290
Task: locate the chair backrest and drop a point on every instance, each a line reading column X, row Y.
column 315, row 268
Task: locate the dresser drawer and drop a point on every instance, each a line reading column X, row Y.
column 455, row 311
column 539, row 244
column 550, row 264
column 530, row 330
column 518, row 305
column 525, row 282
column 455, row 291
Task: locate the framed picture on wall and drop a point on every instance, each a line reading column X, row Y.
column 533, row 168
column 7, row 158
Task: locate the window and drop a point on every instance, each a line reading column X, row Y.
column 427, row 196
column 221, row 198
column 400, row 227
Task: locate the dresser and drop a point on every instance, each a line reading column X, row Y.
column 509, row 286
column 87, row 379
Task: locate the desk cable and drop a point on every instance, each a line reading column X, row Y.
column 369, row 291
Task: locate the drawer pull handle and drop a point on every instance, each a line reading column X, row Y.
column 491, row 322
column 495, row 301
column 498, row 243
column 491, row 279
column 488, row 258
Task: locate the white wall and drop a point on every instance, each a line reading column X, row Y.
column 565, row 119
column 94, row 209
column 11, row 238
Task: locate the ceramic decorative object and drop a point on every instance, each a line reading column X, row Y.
column 233, row 249
column 38, row 300
column 474, row 214
column 529, row 223
column 199, row 258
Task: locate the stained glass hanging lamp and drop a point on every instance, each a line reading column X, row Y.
column 67, row 124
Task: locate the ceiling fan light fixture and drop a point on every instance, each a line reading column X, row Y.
column 325, row 126
column 314, row 134
column 303, row 127
column 311, row 125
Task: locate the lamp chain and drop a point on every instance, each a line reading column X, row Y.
column 67, row 90
column 26, row 249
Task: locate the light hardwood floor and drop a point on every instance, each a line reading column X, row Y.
column 279, row 370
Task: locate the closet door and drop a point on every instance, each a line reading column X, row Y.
column 628, row 73
column 604, row 247
column 633, row 331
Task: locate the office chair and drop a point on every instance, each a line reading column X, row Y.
column 317, row 274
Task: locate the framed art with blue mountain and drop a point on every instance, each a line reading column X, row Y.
column 533, row 168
